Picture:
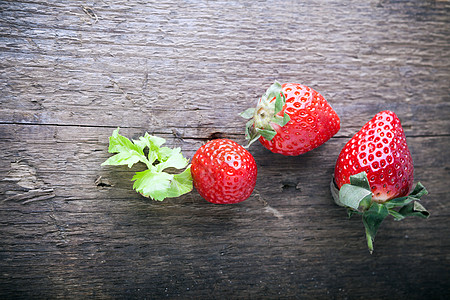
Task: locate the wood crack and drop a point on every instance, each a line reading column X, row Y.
column 32, row 196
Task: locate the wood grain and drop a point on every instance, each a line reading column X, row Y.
column 73, row 71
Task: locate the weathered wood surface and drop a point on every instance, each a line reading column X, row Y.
column 72, row 71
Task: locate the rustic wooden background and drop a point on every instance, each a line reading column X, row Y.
column 73, row 71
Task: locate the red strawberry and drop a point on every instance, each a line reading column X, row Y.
column 223, row 172
column 291, row 119
column 374, row 174
column 380, row 150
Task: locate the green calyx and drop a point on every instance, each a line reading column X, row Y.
column 266, row 113
column 357, row 198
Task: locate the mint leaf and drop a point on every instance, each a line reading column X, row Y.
column 154, row 182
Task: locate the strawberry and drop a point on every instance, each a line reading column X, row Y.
column 223, row 172
column 374, row 175
column 380, row 150
column 291, row 119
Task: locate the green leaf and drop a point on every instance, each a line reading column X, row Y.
column 280, row 101
column 250, row 133
column 335, row 192
column 415, row 195
column 153, row 143
column 399, row 202
column 161, row 185
column 119, row 143
column 180, row 184
column 123, row 158
column 286, row 119
column 351, row 212
column 409, row 205
column 152, row 184
column 248, row 113
column 273, row 91
column 372, row 219
column 357, row 193
column 265, row 114
column 128, row 152
column 352, row 196
column 172, row 159
column 396, row 215
column 360, row 180
column 414, row 209
column 268, row 134
column 418, row 191
column 249, row 129
column 357, row 197
column 281, row 120
column 163, row 153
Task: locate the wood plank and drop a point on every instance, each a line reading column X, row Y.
column 290, row 240
column 72, row 72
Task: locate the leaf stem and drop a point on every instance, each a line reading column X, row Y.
column 148, row 164
column 369, row 241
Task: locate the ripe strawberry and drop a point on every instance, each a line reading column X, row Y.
column 374, row 174
column 380, row 150
column 223, row 172
column 291, row 119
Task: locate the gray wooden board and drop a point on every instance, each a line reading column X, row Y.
column 73, row 71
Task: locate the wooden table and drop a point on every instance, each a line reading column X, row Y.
column 73, row 71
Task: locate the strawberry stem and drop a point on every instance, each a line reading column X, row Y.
column 369, row 241
column 372, row 219
column 266, row 113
